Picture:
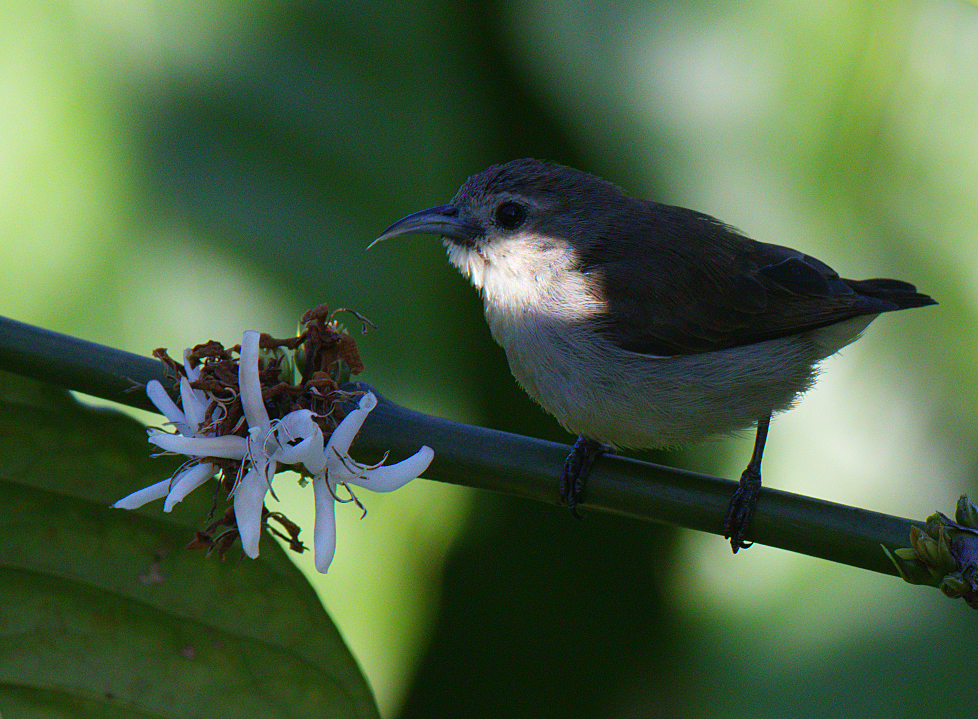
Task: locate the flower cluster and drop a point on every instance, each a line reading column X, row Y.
column 252, row 451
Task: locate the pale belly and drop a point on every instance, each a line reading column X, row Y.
column 628, row 399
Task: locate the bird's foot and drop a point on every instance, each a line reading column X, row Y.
column 741, row 509
column 577, row 467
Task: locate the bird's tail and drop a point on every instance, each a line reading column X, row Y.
column 902, row 295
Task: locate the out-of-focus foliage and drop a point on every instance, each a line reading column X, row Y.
column 178, row 171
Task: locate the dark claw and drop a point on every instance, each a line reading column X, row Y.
column 741, row 509
column 577, row 467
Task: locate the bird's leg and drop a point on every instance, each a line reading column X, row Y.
column 577, row 467
column 742, row 504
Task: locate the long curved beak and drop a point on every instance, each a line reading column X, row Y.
column 442, row 220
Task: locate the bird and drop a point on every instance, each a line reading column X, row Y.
column 644, row 325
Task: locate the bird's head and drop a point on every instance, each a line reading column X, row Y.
column 522, row 219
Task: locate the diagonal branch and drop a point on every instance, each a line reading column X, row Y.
column 521, row 466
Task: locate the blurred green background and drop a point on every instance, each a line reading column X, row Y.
column 175, row 172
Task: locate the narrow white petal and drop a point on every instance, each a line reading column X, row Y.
column 342, row 437
column 394, row 476
column 203, row 401
column 228, row 446
column 187, row 481
column 249, row 496
column 368, row 402
column 309, row 452
column 299, row 425
column 338, row 472
column 144, row 495
column 314, row 459
column 192, row 408
column 158, row 396
column 192, row 372
column 324, row 533
column 261, row 446
column 249, row 384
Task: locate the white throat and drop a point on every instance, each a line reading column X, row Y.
column 528, row 287
column 521, row 273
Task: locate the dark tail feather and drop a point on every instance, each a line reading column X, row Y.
column 902, row 295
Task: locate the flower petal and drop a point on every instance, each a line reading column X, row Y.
column 193, row 409
column 187, row 481
column 368, row 402
column 309, row 453
column 159, row 396
column 342, row 437
column 193, row 373
column 299, row 425
column 249, row 384
column 249, row 496
column 228, row 446
column 389, row 477
column 324, row 533
column 144, row 495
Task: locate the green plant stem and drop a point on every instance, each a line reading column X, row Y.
column 521, row 466
column 77, row 364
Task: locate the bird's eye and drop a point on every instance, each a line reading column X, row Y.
column 510, row 215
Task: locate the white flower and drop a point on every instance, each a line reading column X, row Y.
column 260, row 448
column 295, row 439
column 187, row 423
column 341, row 468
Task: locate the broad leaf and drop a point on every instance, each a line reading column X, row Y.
column 105, row 613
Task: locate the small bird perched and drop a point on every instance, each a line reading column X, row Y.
column 645, row 325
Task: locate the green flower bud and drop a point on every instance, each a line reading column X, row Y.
column 910, row 568
column 966, row 513
column 953, row 585
column 924, row 546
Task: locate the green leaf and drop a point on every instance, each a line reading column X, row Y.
column 104, row 613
